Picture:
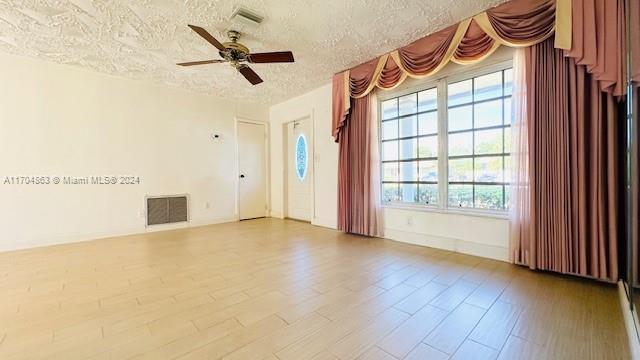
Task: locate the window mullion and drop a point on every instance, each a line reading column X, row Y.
column 442, row 157
column 417, row 194
column 398, row 172
column 503, row 133
column 442, row 145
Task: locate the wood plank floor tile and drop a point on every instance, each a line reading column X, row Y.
column 487, row 293
column 471, row 350
column 278, row 340
column 192, row 342
column 450, row 298
column 279, row 289
column 455, row 328
column 421, row 297
column 293, row 313
column 406, row 336
column 496, row 325
column 517, row 348
column 423, row 277
column 334, row 310
column 319, row 341
column 236, row 339
column 357, row 342
column 397, row 278
column 424, row 351
column 377, row 304
column 375, row 353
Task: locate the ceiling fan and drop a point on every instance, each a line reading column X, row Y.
column 238, row 55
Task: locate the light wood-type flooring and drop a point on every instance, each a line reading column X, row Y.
column 276, row 289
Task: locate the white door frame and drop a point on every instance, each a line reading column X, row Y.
column 267, row 164
column 285, row 163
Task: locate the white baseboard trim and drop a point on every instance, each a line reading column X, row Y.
column 451, row 244
column 276, row 214
column 630, row 322
column 191, row 223
column 213, row 221
column 457, row 245
column 61, row 239
column 328, row 223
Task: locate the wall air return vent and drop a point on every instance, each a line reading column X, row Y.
column 167, row 209
column 245, row 16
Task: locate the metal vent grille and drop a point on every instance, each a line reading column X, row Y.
column 247, row 17
column 166, row 210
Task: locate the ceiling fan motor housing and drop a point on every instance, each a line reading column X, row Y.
column 236, row 52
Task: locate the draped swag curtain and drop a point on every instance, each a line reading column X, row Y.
column 564, row 196
column 518, row 23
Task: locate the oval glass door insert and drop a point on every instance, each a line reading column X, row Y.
column 301, row 157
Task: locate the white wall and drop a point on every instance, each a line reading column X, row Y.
column 58, row 120
column 471, row 234
column 317, row 105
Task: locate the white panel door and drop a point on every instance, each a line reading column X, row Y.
column 299, row 169
column 252, row 188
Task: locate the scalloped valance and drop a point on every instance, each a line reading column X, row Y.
column 517, row 23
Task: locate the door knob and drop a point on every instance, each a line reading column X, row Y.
column 242, row 176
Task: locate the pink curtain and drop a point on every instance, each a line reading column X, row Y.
column 520, row 207
column 517, row 23
column 339, row 108
column 564, row 196
column 358, row 186
column 475, row 44
column 599, row 41
column 572, row 171
column 634, row 37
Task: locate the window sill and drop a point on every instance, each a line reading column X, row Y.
column 504, row 215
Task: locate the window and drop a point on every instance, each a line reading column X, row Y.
column 456, row 158
column 301, row 157
column 409, row 135
column 479, row 113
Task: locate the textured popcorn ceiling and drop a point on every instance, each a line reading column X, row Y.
column 143, row 39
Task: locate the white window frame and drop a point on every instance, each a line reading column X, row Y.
column 440, row 82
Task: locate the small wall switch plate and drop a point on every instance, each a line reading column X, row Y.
column 409, row 220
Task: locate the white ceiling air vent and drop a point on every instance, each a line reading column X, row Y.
column 247, row 17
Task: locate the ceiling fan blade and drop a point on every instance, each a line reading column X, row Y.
column 205, row 34
column 271, row 57
column 251, row 75
column 201, row 62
